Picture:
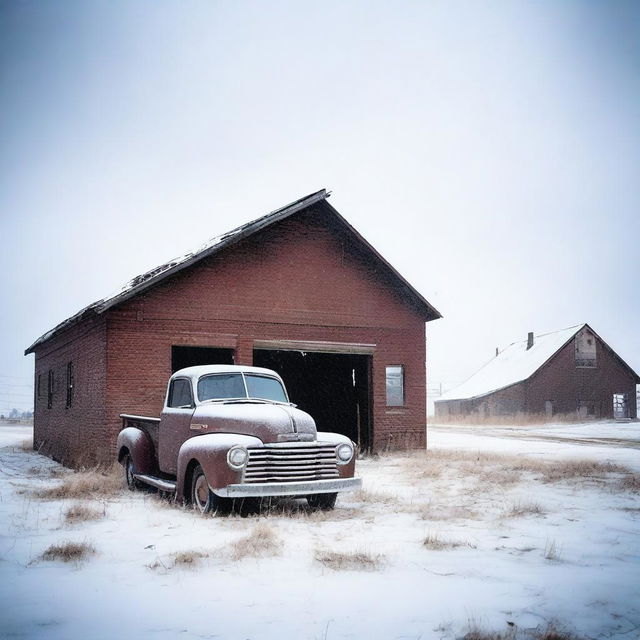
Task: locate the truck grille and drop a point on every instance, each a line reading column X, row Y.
column 291, row 463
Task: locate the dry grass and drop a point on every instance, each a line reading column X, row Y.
column 374, row 497
column 68, row 551
column 551, row 632
column 262, row 541
column 188, row 558
column 435, row 543
column 27, row 445
column 442, row 512
column 86, row 484
column 350, row 560
column 631, row 482
column 503, row 469
column 82, row 513
column 552, row 551
column 520, row 509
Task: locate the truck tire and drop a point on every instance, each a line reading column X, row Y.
column 203, row 499
column 129, row 470
column 322, row 501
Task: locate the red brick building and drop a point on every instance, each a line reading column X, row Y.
column 298, row 290
column 571, row 372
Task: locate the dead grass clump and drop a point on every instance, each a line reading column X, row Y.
column 552, row 550
column 435, row 543
column 631, row 482
column 27, row 445
column 69, row 551
column 86, row 484
column 82, row 513
column 578, row 469
column 262, row 541
column 350, row 560
column 445, row 512
column 188, row 558
column 520, row 509
column 374, row 497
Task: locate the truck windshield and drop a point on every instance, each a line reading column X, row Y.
column 223, row 386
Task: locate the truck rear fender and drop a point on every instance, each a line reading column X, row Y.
column 139, row 446
column 210, row 452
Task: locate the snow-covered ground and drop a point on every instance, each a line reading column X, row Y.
column 520, row 547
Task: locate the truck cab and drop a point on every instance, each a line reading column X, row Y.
column 229, row 432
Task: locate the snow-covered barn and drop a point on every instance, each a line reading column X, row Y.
column 298, row 290
column 569, row 372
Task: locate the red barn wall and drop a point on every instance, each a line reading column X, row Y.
column 296, row 280
column 73, row 435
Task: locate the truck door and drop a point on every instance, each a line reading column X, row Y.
column 175, row 423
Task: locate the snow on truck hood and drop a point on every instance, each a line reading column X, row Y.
column 264, row 420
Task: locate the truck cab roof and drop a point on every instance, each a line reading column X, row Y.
column 206, row 369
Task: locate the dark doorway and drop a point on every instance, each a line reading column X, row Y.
column 333, row 387
column 182, row 357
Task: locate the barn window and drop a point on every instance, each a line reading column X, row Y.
column 38, row 388
column 620, row 405
column 586, row 349
column 180, row 394
column 50, row 389
column 395, row 386
column 70, row 385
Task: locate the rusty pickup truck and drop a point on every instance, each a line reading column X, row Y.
column 229, row 433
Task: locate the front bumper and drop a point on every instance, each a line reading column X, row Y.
column 258, row 490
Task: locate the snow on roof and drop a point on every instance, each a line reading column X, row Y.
column 512, row 365
column 148, row 279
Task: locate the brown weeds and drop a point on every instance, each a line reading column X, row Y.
column 68, row 551
column 350, row 561
column 86, row 484
column 262, row 541
column 188, row 558
column 82, row 513
column 435, row 543
column 520, row 509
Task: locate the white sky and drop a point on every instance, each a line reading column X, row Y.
column 489, row 151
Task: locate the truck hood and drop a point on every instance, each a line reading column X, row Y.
column 269, row 422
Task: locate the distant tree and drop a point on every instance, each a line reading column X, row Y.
column 2, row 417
column 14, row 414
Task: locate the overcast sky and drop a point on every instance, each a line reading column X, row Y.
column 489, row 150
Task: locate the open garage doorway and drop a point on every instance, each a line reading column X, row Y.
column 182, row 357
column 335, row 388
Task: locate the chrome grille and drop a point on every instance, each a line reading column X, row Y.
column 291, row 463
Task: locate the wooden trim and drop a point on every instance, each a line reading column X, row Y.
column 315, row 346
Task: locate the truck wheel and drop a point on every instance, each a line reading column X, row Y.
column 203, row 499
column 129, row 470
column 322, row 501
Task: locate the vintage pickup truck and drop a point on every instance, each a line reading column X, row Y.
column 229, row 432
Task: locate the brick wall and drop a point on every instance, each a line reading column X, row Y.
column 301, row 279
column 74, row 435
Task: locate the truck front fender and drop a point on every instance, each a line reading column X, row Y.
column 139, row 446
column 210, row 452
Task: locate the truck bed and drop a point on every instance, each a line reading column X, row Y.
column 144, row 423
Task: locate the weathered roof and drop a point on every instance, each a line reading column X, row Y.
column 146, row 280
column 516, row 363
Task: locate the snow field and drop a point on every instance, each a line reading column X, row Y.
column 506, row 545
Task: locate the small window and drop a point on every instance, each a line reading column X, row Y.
column 70, row 385
column 180, row 394
column 50, row 389
column 38, row 388
column 586, row 349
column 620, row 405
column 395, row 386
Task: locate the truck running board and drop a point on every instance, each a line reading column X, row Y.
column 158, row 483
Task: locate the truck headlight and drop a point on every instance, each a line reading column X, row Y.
column 344, row 453
column 237, row 457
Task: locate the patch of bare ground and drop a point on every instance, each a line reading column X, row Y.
column 68, row 551
column 521, row 509
column 85, row 484
column 82, row 513
column 262, row 541
column 350, row 560
column 435, row 543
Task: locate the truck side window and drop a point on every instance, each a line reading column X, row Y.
column 180, row 394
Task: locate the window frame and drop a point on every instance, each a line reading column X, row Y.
column 50, row 385
column 389, row 401
column 170, row 394
column 70, row 385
